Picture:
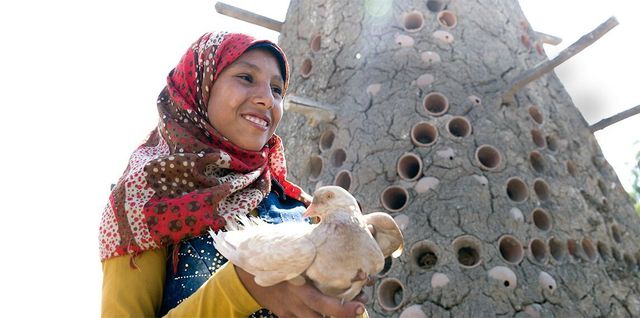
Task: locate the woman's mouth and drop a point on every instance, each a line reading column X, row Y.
column 258, row 121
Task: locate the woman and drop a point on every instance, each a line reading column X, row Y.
column 214, row 155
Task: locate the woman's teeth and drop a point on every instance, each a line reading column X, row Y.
column 255, row 120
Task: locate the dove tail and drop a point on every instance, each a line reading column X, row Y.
column 222, row 246
column 226, row 242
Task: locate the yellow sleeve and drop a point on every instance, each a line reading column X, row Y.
column 130, row 292
column 223, row 295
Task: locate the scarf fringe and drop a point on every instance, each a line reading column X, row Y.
column 174, row 257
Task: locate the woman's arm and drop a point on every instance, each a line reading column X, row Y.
column 230, row 292
column 133, row 292
column 288, row 300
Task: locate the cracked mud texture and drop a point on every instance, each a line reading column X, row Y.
column 493, row 43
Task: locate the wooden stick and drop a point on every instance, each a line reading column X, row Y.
column 314, row 111
column 548, row 38
column 615, row 118
column 248, row 16
column 537, row 71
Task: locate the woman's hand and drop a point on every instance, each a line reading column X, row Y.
column 288, row 300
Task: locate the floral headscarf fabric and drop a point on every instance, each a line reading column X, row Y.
column 187, row 178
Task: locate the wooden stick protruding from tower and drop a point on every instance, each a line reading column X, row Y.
column 248, row 16
column 543, row 68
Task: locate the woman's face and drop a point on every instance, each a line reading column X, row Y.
column 246, row 100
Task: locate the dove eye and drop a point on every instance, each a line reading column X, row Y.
column 329, row 195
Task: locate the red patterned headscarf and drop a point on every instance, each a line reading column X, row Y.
column 187, row 178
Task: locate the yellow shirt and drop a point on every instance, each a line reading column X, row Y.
column 129, row 292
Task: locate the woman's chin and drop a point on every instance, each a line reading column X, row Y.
column 252, row 145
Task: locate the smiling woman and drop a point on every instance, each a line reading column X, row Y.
column 214, row 156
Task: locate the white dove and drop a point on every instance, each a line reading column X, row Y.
column 336, row 254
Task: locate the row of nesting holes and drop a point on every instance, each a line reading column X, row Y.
column 467, row 250
column 412, row 22
column 395, row 198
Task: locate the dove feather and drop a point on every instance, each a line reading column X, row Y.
column 288, row 251
column 349, row 237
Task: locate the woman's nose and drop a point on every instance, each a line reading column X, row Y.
column 263, row 96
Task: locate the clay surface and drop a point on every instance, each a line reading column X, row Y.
column 370, row 77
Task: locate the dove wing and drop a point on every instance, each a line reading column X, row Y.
column 271, row 252
column 388, row 234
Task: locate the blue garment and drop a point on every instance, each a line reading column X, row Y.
column 198, row 258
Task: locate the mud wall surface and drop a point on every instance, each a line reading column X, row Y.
column 507, row 210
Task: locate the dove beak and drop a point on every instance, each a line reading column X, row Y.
column 310, row 212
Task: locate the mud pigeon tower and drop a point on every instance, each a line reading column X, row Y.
column 447, row 115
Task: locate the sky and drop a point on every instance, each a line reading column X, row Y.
column 79, row 84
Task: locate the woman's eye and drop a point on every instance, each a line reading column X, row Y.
column 277, row 90
column 247, row 78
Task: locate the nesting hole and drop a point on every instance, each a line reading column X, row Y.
column 424, row 134
column 629, row 261
column 488, row 157
column 390, row 294
column 538, row 250
column 436, row 5
column 447, row 19
column 316, row 163
column 536, row 114
column 511, row 249
column 603, row 187
column 615, row 232
column 616, row 254
column 409, row 167
column 537, row 161
column 571, row 167
column 517, row 190
column 338, row 157
column 413, row 21
column 542, row 190
column 552, row 143
column 326, row 139
column 315, row 43
column 541, row 219
column 604, row 251
column 589, row 249
column 557, row 249
column 459, row 127
column 436, row 104
column 306, row 67
column 538, row 138
column 394, row 198
column 343, row 179
column 467, row 251
column 425, row 254
column 573, row 249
